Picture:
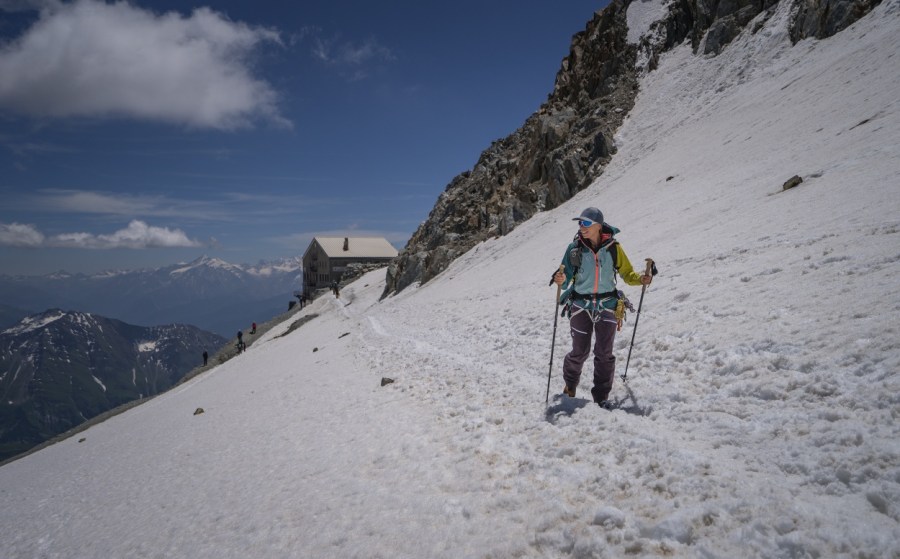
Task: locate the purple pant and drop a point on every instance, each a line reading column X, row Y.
column 604, row 330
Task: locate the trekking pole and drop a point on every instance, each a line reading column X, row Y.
column 650, row 271
column 555, row 319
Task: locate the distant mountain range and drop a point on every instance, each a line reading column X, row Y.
column 209, row 293
column 59, row 369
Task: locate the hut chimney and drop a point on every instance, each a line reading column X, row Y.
column 346, row 244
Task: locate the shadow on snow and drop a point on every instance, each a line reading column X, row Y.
column 564, row 406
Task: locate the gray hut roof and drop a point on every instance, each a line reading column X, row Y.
column 358, row 247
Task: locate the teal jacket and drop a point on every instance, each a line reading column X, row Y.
column 596, row 272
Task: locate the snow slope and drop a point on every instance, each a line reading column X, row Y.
column 761, row 414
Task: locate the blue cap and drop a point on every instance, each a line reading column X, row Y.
column 593, row 214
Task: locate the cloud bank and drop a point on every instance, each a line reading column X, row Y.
column 137, row 235
column 93, row 59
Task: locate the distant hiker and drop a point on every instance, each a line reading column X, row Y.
column 253, row 328
column 591, row 301
column 205, row 358
column 240, row 344
column 335, row 289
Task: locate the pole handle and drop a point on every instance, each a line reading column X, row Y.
column 561, row 270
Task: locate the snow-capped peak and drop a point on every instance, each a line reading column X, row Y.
column 206, row 262
column 31, row 323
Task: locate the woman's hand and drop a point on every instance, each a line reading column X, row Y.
column 646, row 279
column 559, row 278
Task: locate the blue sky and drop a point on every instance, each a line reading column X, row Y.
column 147, row 133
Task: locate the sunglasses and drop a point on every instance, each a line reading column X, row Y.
column 585, row 222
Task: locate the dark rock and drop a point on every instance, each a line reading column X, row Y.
column 727, row 27
column 385, row 380
column 198, row 411
column 356, row 270
column 823, row 18
column 792, row 182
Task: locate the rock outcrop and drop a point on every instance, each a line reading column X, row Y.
column 560, row 150
column 821, row 19
column 563, row 147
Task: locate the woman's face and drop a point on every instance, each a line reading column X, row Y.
column 591, row 231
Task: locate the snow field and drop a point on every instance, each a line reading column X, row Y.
column 760, row 418
column 767, row 359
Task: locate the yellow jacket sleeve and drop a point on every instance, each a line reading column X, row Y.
column 626, row 271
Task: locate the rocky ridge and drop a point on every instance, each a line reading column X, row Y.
column 564, row 146
column 559, row 151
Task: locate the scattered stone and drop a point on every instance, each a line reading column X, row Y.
column 81, row 440
column 792, row 182
column 344, row 334
column 198, row 411
column 385, row 380
column 669, row 178
column 315, row 349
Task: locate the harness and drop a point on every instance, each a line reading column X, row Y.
column 595, row 308
column 595, row 296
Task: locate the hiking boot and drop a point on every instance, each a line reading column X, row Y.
column 606, row 404
column 570, row 392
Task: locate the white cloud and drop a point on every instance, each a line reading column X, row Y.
column 137, row 235
column 95, row 202
column 90, row 58
column 118, row 204
column 351, row 54
column 20, row 235
column 352, row 60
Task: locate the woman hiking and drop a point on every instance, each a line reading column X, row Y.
column 591, row 263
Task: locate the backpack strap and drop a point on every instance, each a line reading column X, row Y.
column 610, row 246
column 614, row 253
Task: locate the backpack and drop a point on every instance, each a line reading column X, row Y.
column 606, row 234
